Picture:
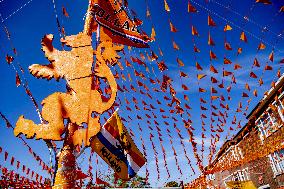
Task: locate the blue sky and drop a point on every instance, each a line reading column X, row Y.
column 28, row 25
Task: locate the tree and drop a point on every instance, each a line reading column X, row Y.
column 172, row 184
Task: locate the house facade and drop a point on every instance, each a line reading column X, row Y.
column 255, row 156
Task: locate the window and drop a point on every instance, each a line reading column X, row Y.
column 268, row 123
column 277, row 162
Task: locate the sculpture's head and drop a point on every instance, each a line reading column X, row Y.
column 79, row 40
column 109, row 51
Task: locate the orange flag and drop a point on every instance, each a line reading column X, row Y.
column 180, row 63
column 227, row 28
column 172, row 27
column 227, row 61
column 212, row 69
column 211, row 21
column 201, row 76
column 256, row 63
column 271, row 56
column 228, row 46
column 202, row 90
column 167, row 8
column 281, row 9
column 239, row 50
column 266, row 2
column 191, row 8
column 237, row 66
column 260, row 81
column 210, row 40
column 227, row 73
column 252, row 75
column 267, row 67
column 153, row 34
column 243, row 37
column 214, row 80
column 196, row 49
column 261, row 46
column 175, row 46
column 194, row 31
column 18, row 80
column 212, row 55
column 198, row 67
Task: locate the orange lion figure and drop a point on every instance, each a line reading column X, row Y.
column 78, row 104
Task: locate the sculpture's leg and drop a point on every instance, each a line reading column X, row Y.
column 53, row 112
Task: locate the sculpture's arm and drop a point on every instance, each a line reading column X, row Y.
column 44, row 71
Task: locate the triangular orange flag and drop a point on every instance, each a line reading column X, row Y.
column 194, row 31
column 227, row 73
column 210, row 40
column 191, row 8
column 255, row 93
column 18, row 80
column 212, row 55
column 148, row 12
column 247, row 87
column 172, row 27
column 212, row 69
column 184, row 87
column 214, row 97
column 196, row 49
column 256, row 63
column 243, row 37
column 202, row 90
column 180, row 63
column 228, row 46
column 266, row 2
column 271, row 56
column 267, row 67
column 261, row 46
column 237, row 66
column 227, row 28
column 175, row 46
column 260, row 81
column 198, row 67
column 167, row 8
column 239, row 50
column 252, row 75
column 200, row 76
column 153, row 34
column 214, row 80
column 211, row 21
column 245, row 94
column 281, row 9
column 227, row 61
column 213, row 90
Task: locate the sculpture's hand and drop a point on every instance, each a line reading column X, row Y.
column 102, row 70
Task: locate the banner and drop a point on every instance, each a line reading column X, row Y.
column 240, row 185
column 119, row 26
column 115, row 146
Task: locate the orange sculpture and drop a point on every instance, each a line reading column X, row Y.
column 82, row 100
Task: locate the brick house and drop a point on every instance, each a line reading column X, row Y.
column 256, row 152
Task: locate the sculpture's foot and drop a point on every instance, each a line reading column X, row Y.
column 41, row 131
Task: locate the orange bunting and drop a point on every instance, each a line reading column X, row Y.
column 214, row 97
column 201, row 90
column 255, row 93
column 271, row 56
column 18, row 80
column 227, row 28
column 213, row 90
column 260, row 81
column 261, row 46
column 180, row 63
column 247, row 87
column 201, row 76
column 252, row 75
column 237, row 66
column 211, row 21
column 210, row 40
column 266, row 2
column 214, row 80
column 267, row 67
column 256, row 63
column 153, row 34
column 9, row 59
column 281, row 9
column 172, row 27
column 227, row 61
column 64, row 12
column 212, row 69
column 239, row 50
column 182, row 74
column 243, row 37
column 167, row 8
column 228, row 46
column 190, row 8
column 245, row 94
column 185, row 87
column 196, row 49
column 194, row 31
column 212, row 55
column 227, row 73
column 198, row 67
column 175, row 46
